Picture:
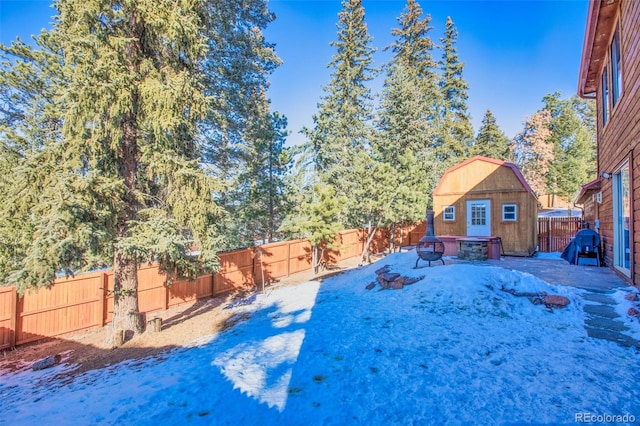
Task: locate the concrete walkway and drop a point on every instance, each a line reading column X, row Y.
column 598, row 284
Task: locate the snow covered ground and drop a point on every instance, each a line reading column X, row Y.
column 452, row 348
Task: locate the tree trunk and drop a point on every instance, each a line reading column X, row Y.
column 126, row 315
column 371, row 232
column 314, row 259
column 392, row 239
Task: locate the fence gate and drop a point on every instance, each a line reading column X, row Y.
column 554, row 233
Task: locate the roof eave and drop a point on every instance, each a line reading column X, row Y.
column 600, row 25
column 587, row 189
column 587, row 48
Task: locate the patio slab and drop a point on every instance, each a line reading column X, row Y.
column 561, row 272
column 600, row 310
column 601, row 319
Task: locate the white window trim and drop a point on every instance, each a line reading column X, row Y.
column 449, row 216
column 515, row 212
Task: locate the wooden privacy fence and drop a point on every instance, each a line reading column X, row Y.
column 86, row 300
column 554, row 233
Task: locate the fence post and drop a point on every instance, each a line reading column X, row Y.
column 288, row 257
column 166, row 293
column 103, row 299
column 14, row 318
column 549, row 233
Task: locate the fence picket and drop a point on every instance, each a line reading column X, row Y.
column 554, row 233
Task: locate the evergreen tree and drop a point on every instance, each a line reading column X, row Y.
column 261, row 194
column 235, row 79
column 491, row 141
column 342, row 123
column 412, row 46
column 29, row 122
column 573, row 135
column 316, row 216
column 457, row 131
column 120, row 180
column 408, row 117
column 342, row 131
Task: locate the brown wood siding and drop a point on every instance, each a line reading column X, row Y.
column 618, row 141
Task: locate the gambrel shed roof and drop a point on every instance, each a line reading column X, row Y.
column 477, row 181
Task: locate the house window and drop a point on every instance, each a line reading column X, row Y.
column 509, row 212
column 449, row 214
column 616, row 69
column 605, row 96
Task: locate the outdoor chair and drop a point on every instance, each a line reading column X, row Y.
column 587, row 245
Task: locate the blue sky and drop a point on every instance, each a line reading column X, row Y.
column 514, row 51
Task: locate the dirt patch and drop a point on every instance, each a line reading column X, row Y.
column 181, row 325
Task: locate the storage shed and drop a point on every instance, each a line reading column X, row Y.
column 484, row 197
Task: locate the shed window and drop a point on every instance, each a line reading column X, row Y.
column 449, row 213
column 509, row 212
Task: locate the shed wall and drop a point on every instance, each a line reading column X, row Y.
column 481, row 180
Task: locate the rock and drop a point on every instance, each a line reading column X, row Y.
column 398, row 284
column 632, row 297
column 383, row 270
column 390, row 276
column 47, row 362
column 555, row 301
column 633, row 312
column 408, row 280
column 393, row 280
column 383, row 283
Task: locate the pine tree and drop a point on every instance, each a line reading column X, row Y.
column 457, row 131
column 412, row 46
column 235, row 79
column 491, row 141
column 343, row 131
column 316, row 217
column 403, row 139
column 29, row 122
column 120, row 179
column 573, row 136
column 342, row 123
column 260, row 195
column 407, row 118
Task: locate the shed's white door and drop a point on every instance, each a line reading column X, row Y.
column 479, row 218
